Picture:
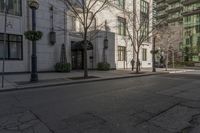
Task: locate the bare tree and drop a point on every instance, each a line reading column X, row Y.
column 85, row 12
column 169, row 42
column 140, row 28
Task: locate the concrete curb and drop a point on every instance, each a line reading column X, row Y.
column 77, row 82
column 182, row 71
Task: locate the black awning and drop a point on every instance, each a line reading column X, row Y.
column 79, row 45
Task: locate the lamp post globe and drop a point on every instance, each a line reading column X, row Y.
column 33, row 4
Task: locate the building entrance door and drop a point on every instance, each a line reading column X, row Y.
column 77, row 53
column 77, row 59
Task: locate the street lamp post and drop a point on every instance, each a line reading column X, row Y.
column 104, row 49
column 34, row 5
column 105, row 43
column 4, row 42
column 153, row 55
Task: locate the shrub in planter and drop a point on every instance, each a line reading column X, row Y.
column 60, row 67
column 103, row 66
column 33, row 35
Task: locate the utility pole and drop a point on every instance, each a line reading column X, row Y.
column 4, row 43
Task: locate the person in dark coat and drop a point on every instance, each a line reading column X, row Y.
column 139, row 65
column 132, row 64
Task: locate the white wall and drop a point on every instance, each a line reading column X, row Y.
column 98, row 49
column 48, row 55
column 16, row 25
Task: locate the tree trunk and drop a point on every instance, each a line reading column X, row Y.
column 173, row 58
column 85, row 56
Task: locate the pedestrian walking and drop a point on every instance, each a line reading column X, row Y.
column 139, row 65
column 132, row 64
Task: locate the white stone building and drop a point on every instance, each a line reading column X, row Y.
column 18, row 50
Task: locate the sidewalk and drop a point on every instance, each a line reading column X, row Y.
column 21, row 81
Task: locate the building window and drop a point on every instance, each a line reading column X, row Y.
column 1, row 5
column 187, row 41
column 198, row 41
column 121, row 3
column 144, row 5
column 198, row 29
column 13, row 47
column 73, row 23
column 121, row 26
column 191, row 39
column 144, row 54
column 14, row 7
column 144, row 20
column 121, row 53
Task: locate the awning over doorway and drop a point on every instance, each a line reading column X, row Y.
column 79, row 45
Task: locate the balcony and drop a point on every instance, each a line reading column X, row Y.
column 160, row 1
column 172, row 1
column 161, row 16
column 175, row 9
column 192, row 12
column 177, row 19
column 161, row 7
column 188, row 25
column 188, row 2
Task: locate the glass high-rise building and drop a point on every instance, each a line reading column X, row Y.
column 191, row 24
column 185, row 13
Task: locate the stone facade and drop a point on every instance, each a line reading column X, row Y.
column 48, row 55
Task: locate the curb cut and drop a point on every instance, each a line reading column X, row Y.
column 78, row 82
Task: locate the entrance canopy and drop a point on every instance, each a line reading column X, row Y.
column 79, row 45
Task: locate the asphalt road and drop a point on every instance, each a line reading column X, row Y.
column 152, row 104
